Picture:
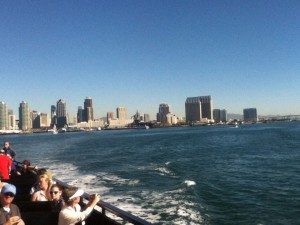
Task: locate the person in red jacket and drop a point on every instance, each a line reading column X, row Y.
column 5, row 164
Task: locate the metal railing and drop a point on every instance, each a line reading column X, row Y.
column 106, row 207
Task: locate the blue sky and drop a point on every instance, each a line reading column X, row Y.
column 138, row 54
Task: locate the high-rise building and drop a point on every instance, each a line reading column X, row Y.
column 61, row 113
column 53, row 115
column 193, row 109
column 35, row 118
column 217, row 115
column 146, row 117
column 223, row 115
column 110, row 115
column 25, row 122
column 11, row 120
column 3, row 116
column 220, row 115
column 88, row 109
column 163, row 111
column 121, row 113
column 198, row 108
column 250, row 114
column 80, row 114
column 44, row 120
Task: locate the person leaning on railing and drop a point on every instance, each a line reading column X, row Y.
column 71, row 213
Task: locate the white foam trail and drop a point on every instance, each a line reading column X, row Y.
column 190, row 183
column 148, row 205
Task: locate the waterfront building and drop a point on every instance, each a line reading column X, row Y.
column 199, row 109
column 4, row 124
column 250, row 114
column 171, row 119
column 80, row 114
column 88, row 109
column 223, row 115
column 121, row 113
column 193, row 109
column 116, row 123
column 25, row 122
column 163, row 110
column 44, row 120
column 110, row 115
column 217, row 115
column 61, row 113
column 53, row 115
column 146, row 117
column 92, row 124
column 12, row 122
column 121, row 120
column 35, row 119
column 220, row 115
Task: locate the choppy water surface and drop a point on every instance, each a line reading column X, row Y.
column 190, row 175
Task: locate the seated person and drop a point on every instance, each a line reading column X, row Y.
column 5, row 164
column 27, row 168
column 1, row 183
column 42, row 194
column 9, row 213
column 40, row 172
column 56, row 198
column 13, row 169
column 71, row 213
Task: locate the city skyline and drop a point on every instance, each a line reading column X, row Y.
column 141, row 54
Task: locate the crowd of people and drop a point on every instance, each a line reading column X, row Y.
column 64, row 201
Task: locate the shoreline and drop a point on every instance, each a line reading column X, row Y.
column 38, row 131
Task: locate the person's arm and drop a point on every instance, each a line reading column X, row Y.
column 94, row 199
column 70, row 217
column 34, row 197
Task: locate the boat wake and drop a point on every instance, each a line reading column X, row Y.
column 153, row 206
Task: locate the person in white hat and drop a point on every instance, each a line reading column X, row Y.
column 9, row 213
column 71, row 213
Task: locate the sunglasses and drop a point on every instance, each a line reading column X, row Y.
column 9, row 195
column 53, row 192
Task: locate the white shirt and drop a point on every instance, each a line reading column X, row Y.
column 41, row 196
column 70, row 216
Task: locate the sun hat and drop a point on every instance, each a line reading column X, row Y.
column 78, row 193
column 8, row 188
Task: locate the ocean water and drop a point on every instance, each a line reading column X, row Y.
column 186, row 175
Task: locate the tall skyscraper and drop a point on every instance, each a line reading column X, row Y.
column 80, row 114
column 3, row 116
column 88, row 109
column 121, row 113
column 197, row 108
column 163, row 110
column 53, row 115
column 250, row 114
column 61, row 113
column 25, row 122
column 193, row 109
